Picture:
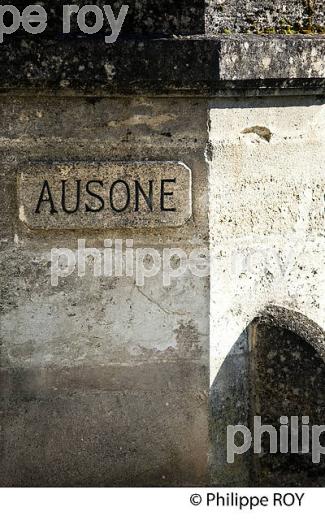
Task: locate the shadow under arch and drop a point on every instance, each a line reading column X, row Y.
column 276, row 368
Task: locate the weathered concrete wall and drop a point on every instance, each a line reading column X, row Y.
column 102, row 383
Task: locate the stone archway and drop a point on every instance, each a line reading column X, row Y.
column 275, row 369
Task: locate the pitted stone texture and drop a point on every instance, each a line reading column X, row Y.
column 241, row 16
column 288, row 380
column 271, row 57
column 266, row 214
column 225, row 64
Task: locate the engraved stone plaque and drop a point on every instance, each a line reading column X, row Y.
column 105, row 195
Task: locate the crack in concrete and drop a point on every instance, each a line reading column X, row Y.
column 166, row 311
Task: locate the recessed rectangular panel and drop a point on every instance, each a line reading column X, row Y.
column 105, row 195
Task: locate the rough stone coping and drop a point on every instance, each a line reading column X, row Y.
column 195, row 65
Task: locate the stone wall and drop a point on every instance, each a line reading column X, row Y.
column 104, row 382
column 264, row 17
column 266, row 180
column 266, row 242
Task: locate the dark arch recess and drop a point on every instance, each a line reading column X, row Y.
column 276, row 368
